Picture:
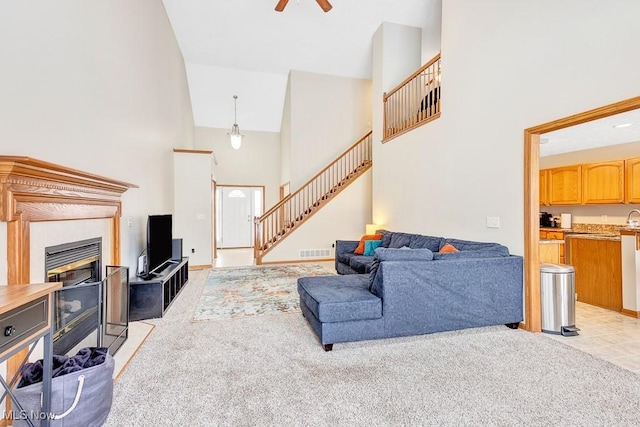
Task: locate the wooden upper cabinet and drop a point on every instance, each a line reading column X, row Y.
column 603, row 182
column 632, row 180
column 544, row 199
column 564, row 187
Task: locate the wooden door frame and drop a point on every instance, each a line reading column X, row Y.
column 532, row 315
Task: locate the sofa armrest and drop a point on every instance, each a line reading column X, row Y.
column 342, row 247
column 450, row 294
column 346, row 246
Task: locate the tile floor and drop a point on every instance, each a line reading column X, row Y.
column 234, row 257
column 607, row 335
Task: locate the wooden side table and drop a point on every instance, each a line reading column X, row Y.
column 25, row 318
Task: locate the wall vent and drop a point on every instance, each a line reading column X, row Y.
column 315, row 253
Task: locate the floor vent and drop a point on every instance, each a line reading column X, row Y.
column 315, row 253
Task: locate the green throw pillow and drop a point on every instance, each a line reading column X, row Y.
column 370, row 247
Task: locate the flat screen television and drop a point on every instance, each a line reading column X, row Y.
column 159, row 241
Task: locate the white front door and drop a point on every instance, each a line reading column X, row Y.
column 237, row 217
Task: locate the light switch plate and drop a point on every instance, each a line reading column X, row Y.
column 493, row 222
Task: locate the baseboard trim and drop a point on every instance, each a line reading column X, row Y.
column 200, row 267
column 630, row 313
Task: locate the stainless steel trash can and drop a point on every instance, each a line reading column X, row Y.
column 558, row 299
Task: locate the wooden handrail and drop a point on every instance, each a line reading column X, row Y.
column 283, row 201
column 413, row 102
column 286, row 215
column 411, row 77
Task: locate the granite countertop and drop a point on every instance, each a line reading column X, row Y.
column 615, row 237
column 595, row 231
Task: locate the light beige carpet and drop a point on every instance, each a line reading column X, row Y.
column 271, row 370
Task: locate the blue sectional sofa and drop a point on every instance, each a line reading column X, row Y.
column 409, row 287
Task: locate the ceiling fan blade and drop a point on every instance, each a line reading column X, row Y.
column 324, row 4
column 281, row 5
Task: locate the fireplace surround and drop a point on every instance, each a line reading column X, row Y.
column 32, row 190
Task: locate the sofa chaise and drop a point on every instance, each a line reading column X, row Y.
column 413, row 286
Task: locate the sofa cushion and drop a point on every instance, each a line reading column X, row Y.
column 487, row 253
column 360, row 248
column 370, row 246
column 398, row 240
column 361, row 263
column 339, row 298
column 391, row 254
column 468, row 245
column 448, row 248
column 345, row 257
column 418, row 241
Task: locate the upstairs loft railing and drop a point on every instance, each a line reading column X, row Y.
column 413, row 102
column 279, row 221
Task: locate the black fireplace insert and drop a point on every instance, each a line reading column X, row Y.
column 87, row 309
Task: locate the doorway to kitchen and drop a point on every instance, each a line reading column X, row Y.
column 532, row 199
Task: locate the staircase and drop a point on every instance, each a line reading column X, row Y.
column 286, row 216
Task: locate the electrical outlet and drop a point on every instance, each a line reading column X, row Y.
column 493, row 222
column 604, row 218
column 193, row 251
column 129, row 222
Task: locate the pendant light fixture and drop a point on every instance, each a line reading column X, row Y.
column 235, row 136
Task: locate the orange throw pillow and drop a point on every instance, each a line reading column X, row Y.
column 448, row 249
column 360, row 249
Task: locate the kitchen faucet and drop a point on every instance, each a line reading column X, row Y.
column 634, row 223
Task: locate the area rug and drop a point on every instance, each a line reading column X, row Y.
column 256, row 290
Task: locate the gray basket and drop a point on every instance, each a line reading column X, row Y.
column 79, row 399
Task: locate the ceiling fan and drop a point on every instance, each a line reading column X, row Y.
column 324, row 4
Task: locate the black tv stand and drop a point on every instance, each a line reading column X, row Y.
column 146, row 276
column 150, row 298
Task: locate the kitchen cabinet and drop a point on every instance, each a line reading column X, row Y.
column 632, row 175
column 543, row 182
column 548, row 254
column 603, row 182
column 598, row 266
column 564, row 185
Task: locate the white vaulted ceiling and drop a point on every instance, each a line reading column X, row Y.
column 245, row 47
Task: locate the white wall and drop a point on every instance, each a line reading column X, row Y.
column 192, row 213
column 285, row 137
column 256, row 163
column 344, row 218
column 328, row 114
column 259, row 94
column 431, row 33
column 100, row 87
column 507, row 66
column 592, row 155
